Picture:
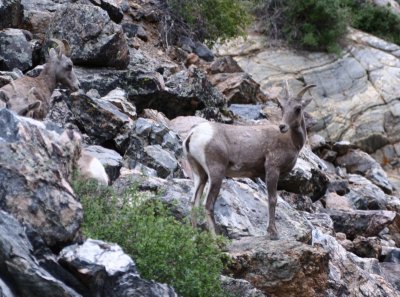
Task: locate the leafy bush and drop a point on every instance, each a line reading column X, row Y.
column 211, row 20
column 164, row 249
column 316, row 24
column 377, row 20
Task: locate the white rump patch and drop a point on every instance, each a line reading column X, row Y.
column 201, row 136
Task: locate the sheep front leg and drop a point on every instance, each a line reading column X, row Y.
column 272, row 183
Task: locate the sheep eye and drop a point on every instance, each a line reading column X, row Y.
column 68, row 67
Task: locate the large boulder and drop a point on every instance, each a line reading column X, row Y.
column 347, row 275
column 11, row 13
column 15, row 50
column 36, row 164
column 282, row 267
column 107, row 271
column 94, row 38
column 21, row 272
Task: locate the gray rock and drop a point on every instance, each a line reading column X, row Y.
column 239, row 287
column 111, row 160
column 321, row 221
column 346, row 277
column 162, row 161
column 186, row 43
column 11, row 13
column 203, row 51
column 20, row 269
column 391, row 254
column 356, row 161
column 95, row 40
column 15, row 50
column 391, row 272
column 36, row 164
column 132, row 30
column 110, row 121
column 365, row 223
column 225, row 65
column 119, row 98
column 247, row 111
column 114, row 9
column 307, row 177
column 281, row 267
column 108, row 271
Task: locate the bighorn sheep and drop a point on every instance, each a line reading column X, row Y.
column 30, row 96
column 216, row 150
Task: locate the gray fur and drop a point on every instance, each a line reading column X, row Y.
column 265, row 151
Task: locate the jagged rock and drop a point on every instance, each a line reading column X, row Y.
column 15, row 50
column 36, row 163
column 95, row 40
column 60, row 112
column 391, row 272
column 184, row 93
column 280, row 268
column 162, row 161
column 240, row 287
column 357, row 161
column 247, row 111
column 394, row 230
column 364, row 195
column 108, row 271
column 321, row 221
column 391, row 254
column 366, row 223
column 11, row 13
column 307, row 177
column 241, row 208
column 236, row 87
column 335, row 201
column 299, row 202
column 203, row 51
column 110, row 121
column 21, row 271
column 119, row 98
column 369, row 247
column 111, row 160
column 346, row 278
column 113, row 8
column 225, row 65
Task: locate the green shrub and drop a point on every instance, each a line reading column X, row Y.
column 164, row 249
column 211, row 20
column 377, row 20
column 315, row 24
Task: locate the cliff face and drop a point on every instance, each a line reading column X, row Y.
column 338, row 213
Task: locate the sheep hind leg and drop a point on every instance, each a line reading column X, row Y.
column 200, row 180
column 272, row 183
column 215, row 181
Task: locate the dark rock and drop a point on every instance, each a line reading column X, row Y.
column 347, row 277
column 114, row 9
column 357, row 161
column 225, row 65
column 95, row 40
column 130, row 29
column 365, row 223
column 108, row 271
column 111, row 160
column 236, row 87
column 20, row 269
column 307, row 177
column 11, row 12
column 15, row 50
column 240, row 287
column 391, row 254
column 299, row 202
column 203, row 51
column 367, row 247
column 186, row 43
column 281, row 267
column 36, row 164
column 110, row 121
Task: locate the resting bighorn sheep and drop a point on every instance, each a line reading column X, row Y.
column 30, row 96
column 216, row 150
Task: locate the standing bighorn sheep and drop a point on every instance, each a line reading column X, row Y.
column 217, row 150
column 30, row 96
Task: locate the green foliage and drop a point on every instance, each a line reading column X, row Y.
column 377, row 20
column 315, row 24
column 164, row 249
column 211, row 20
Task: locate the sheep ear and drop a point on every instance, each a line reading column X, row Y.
column 59, row 52
column 303, row 91
column 52, row 53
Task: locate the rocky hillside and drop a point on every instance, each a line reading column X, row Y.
column 338, row 213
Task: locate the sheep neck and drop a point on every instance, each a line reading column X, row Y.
column 48, row 74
